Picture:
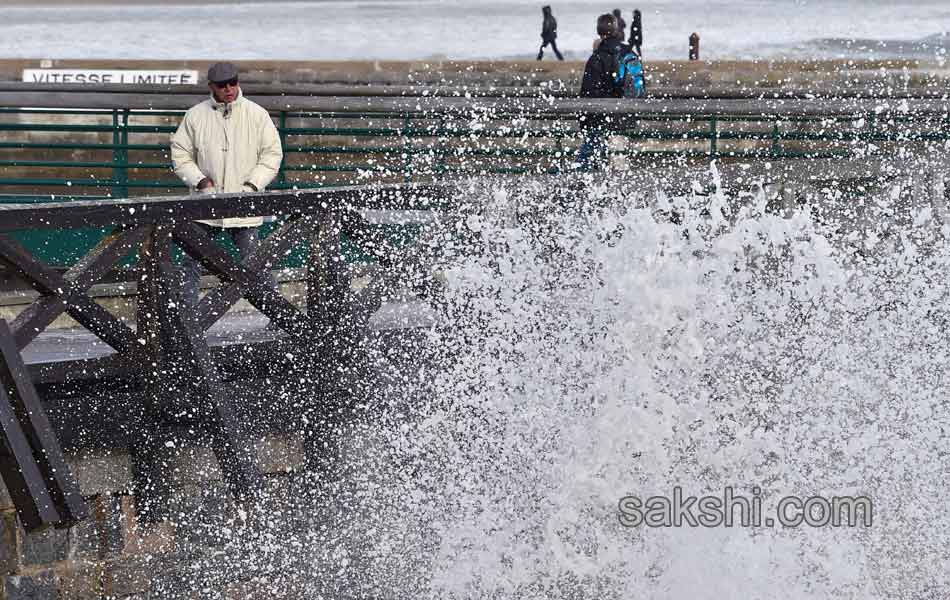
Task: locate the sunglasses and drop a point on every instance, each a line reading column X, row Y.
column 224, row 84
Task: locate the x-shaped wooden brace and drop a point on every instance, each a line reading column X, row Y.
column 249, row 278
column 67, row 293
column 277, row 245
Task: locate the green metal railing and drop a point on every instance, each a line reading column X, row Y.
column 51, row 152
column 92, row 152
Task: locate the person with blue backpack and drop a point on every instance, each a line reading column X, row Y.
column 612, row 71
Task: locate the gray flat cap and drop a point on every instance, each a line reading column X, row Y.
column 222, row 71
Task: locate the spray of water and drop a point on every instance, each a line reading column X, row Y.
column 618, row 345
column 603, row 342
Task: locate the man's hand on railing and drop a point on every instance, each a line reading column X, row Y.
column 205, row 184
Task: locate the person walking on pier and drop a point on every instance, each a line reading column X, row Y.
column 225, row 144
column 636, row 33
column 548, row 33
column 598, row 82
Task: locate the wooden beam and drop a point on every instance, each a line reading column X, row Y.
column 183, row 209
column 271, row 251
column 19, row 393
column 234, row 360
column 81, row 307
column 257, row 288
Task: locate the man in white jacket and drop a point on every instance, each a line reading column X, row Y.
column 226, row 144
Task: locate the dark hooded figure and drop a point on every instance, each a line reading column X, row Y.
column 598, row 82
column 548, row 33
column 636, row 32
column 621, row 25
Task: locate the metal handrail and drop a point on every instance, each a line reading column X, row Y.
column 81, row 146
column 419, row 138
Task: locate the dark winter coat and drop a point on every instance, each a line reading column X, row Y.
column 598, row 81
column 549, row 28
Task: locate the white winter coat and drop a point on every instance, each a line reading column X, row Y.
column 232, row 144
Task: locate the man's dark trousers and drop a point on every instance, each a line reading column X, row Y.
column 245, row 240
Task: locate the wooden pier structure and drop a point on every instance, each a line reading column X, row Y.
column 165, row 358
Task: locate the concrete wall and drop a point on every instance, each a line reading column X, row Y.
column 820, row 75
column 112, row 554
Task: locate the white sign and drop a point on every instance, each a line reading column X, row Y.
column 110, row 76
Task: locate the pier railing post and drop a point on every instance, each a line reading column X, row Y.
column 120, row 153
column 326, row 312
column 181, row 375
column 407, row 148
column 713, row 138
column 282, row 132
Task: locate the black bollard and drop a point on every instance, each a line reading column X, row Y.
column 694, row 46
column 636, row 32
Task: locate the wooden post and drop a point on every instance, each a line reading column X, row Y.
column 326, row 301
column 151, row 459
column 694, row 46
column 181, row 367
column 187, row 368
column 34, row 469
column 326, row 293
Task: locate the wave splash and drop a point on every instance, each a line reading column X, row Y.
column 602, row 342
column 618, row 345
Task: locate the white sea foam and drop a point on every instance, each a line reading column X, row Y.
column 598, row 353
column 599, row 342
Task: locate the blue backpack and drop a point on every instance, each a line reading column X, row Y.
column 628, row 78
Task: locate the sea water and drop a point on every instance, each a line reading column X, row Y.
column 475, row 29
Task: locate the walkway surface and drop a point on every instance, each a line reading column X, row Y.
column 234, row 328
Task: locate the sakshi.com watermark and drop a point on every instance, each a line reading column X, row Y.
column 736, row 510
